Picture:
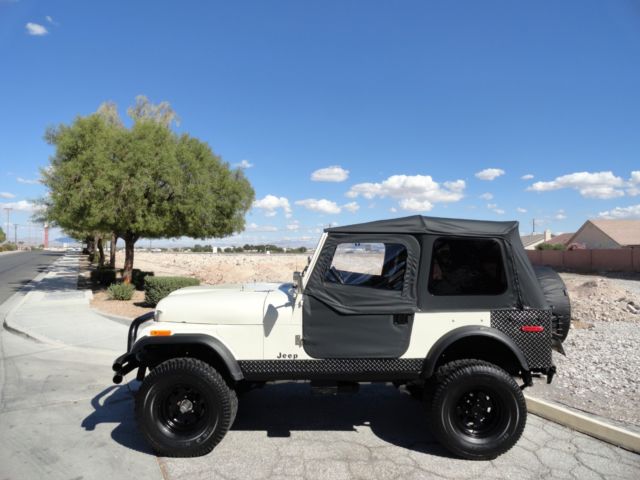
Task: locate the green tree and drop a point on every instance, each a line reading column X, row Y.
column 3, row 236
column 142, row 181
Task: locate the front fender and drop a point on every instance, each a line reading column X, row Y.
column 135, row 356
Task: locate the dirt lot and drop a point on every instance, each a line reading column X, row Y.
column 598, row 375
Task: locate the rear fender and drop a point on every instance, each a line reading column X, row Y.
column 468, row 335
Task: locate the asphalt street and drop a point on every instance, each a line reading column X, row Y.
column 61, row 418
column 17, row 269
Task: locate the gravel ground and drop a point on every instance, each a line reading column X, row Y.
column 599, row 373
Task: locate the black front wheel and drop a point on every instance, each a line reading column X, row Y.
column 184, row 407
column 478, row 410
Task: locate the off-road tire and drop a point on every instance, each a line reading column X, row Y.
column 173, row 432
column 478, row 410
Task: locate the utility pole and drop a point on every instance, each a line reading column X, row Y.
column 15, row 233
column 533, row 224
column 8, row 210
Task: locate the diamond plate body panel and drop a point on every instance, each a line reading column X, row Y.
column 536, row 346
column 348, row 368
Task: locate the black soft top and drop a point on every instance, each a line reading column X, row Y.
column 524, row 291
column 431, row 225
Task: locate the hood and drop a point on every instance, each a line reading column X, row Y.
column 231, row 304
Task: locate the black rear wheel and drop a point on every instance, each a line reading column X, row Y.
column 184, row 407
column 478, row 410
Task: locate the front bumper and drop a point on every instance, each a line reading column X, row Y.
column 128, row 360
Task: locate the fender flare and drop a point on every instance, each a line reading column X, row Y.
column 207, row 341
column 453, row 336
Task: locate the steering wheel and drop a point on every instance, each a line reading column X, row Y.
column 336, row 274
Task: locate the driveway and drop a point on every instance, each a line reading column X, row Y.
column 60, row 417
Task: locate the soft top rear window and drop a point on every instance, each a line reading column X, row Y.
column 466, row 266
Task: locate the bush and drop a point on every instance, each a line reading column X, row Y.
column 121, row 291
column 137, row 277
column 104, row 276
column 8, row 247
column 156, row 288
column 550, row 246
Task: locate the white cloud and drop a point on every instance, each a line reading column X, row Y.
column 602, row 185
column 489, row 173
column 486, row 196
column 560, row 215
column 414, row 205
column 632, row 211
column 50, row 20
column 22, row 205
column 494, row 208
column 521, row 210
column 414, row 192
column 334, row 173
column 270, row 204
column 252, row 227
column 352, row 207
column 322, row 205
column 528, row 176
column 6, row 195
column 244, row 164
column 293, row 226
column 393, row 209
column 634, row 184
column 27, row 181
column 36, row 29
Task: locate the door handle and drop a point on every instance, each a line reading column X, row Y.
column 401, row 319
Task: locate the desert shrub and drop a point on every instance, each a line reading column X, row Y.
column 121, row 291
column 8, row 247
column 138, row 277
column 550, row 246
column 156, row 288
column 103, row 275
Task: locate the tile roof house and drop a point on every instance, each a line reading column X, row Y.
column 562, row 239
column 531, row 241
column 597, row 234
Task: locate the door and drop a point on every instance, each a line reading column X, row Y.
column 360, row 299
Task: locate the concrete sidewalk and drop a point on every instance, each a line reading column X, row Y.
column 60, row 417
column 55, row 311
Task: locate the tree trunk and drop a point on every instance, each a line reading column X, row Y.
column 90, row 246
column 112, row 250
column 129, row 242
column 100, row 252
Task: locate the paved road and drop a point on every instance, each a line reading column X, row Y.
column 17, row 269
column 61, row 418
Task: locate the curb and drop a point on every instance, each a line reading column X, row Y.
column 114, row 318
column 583, row 423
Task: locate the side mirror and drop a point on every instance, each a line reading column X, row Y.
column 297, row 280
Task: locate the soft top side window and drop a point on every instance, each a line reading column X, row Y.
column 466, row 266
column 373, row 265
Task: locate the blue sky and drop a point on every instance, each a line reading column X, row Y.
column 428, row 107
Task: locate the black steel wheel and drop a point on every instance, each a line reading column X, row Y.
column 184, row 407
column 478, row 410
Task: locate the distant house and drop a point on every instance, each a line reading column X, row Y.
column 562, row 239
column 598, row 234
column 530, row 242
